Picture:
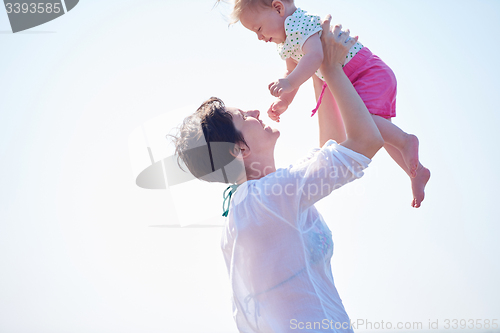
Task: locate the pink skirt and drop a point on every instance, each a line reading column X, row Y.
column 374, row 81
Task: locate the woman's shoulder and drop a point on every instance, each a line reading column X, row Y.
column 254, row 185
column 341, row 151
column 256, row 192
column 310, row 154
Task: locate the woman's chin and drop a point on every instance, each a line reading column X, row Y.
column 270, row 129
column 275, row 131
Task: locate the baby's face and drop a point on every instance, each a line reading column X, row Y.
column 268, row 23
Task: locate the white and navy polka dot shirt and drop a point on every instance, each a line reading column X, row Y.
column 299, row 27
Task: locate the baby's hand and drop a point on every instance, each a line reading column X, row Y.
column 276, row 109
column 280, row 87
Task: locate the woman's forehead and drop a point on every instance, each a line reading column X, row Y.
column 234, row 111
column 237, row 117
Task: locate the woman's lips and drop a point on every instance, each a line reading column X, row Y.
column 266, row 127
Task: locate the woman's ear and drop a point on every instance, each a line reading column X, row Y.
column 237, row 150
column 279, row 7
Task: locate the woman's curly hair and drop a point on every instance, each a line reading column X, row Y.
column 207, row 143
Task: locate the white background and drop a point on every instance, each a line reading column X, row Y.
column 80, row 246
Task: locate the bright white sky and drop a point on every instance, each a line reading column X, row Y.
column 83, row 249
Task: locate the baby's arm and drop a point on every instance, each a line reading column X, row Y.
column 307, row 66
column 281, row 104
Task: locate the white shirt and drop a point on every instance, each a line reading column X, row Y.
column 278, row 248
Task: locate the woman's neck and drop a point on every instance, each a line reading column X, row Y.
column 259, row 168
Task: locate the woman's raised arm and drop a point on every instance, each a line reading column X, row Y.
column 362, row 134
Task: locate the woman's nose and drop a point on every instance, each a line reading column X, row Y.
column 254, row 113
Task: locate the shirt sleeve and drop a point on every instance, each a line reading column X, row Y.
column 298, row 28
column 292, row 190
column 303, row 28
column 332, row 167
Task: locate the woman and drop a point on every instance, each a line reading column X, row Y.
column 276, row 245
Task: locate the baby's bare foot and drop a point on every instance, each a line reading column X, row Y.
column 418, row 185
column 410, row 154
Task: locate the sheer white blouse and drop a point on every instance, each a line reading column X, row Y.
column 278, row 248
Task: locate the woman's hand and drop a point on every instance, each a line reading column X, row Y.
column 362, row 134
column 336, row 44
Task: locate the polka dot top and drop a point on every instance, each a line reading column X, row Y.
column 299, row 27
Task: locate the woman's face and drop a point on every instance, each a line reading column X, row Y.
column 259, row 137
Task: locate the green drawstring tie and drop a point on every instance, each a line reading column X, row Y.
column 227, row 198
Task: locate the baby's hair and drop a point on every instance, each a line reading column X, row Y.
column 240, row 5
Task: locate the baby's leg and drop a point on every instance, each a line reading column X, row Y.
column 328, row 113
column 407, row 144
column 418, row 182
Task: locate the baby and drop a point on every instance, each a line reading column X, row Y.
column 297, row 35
